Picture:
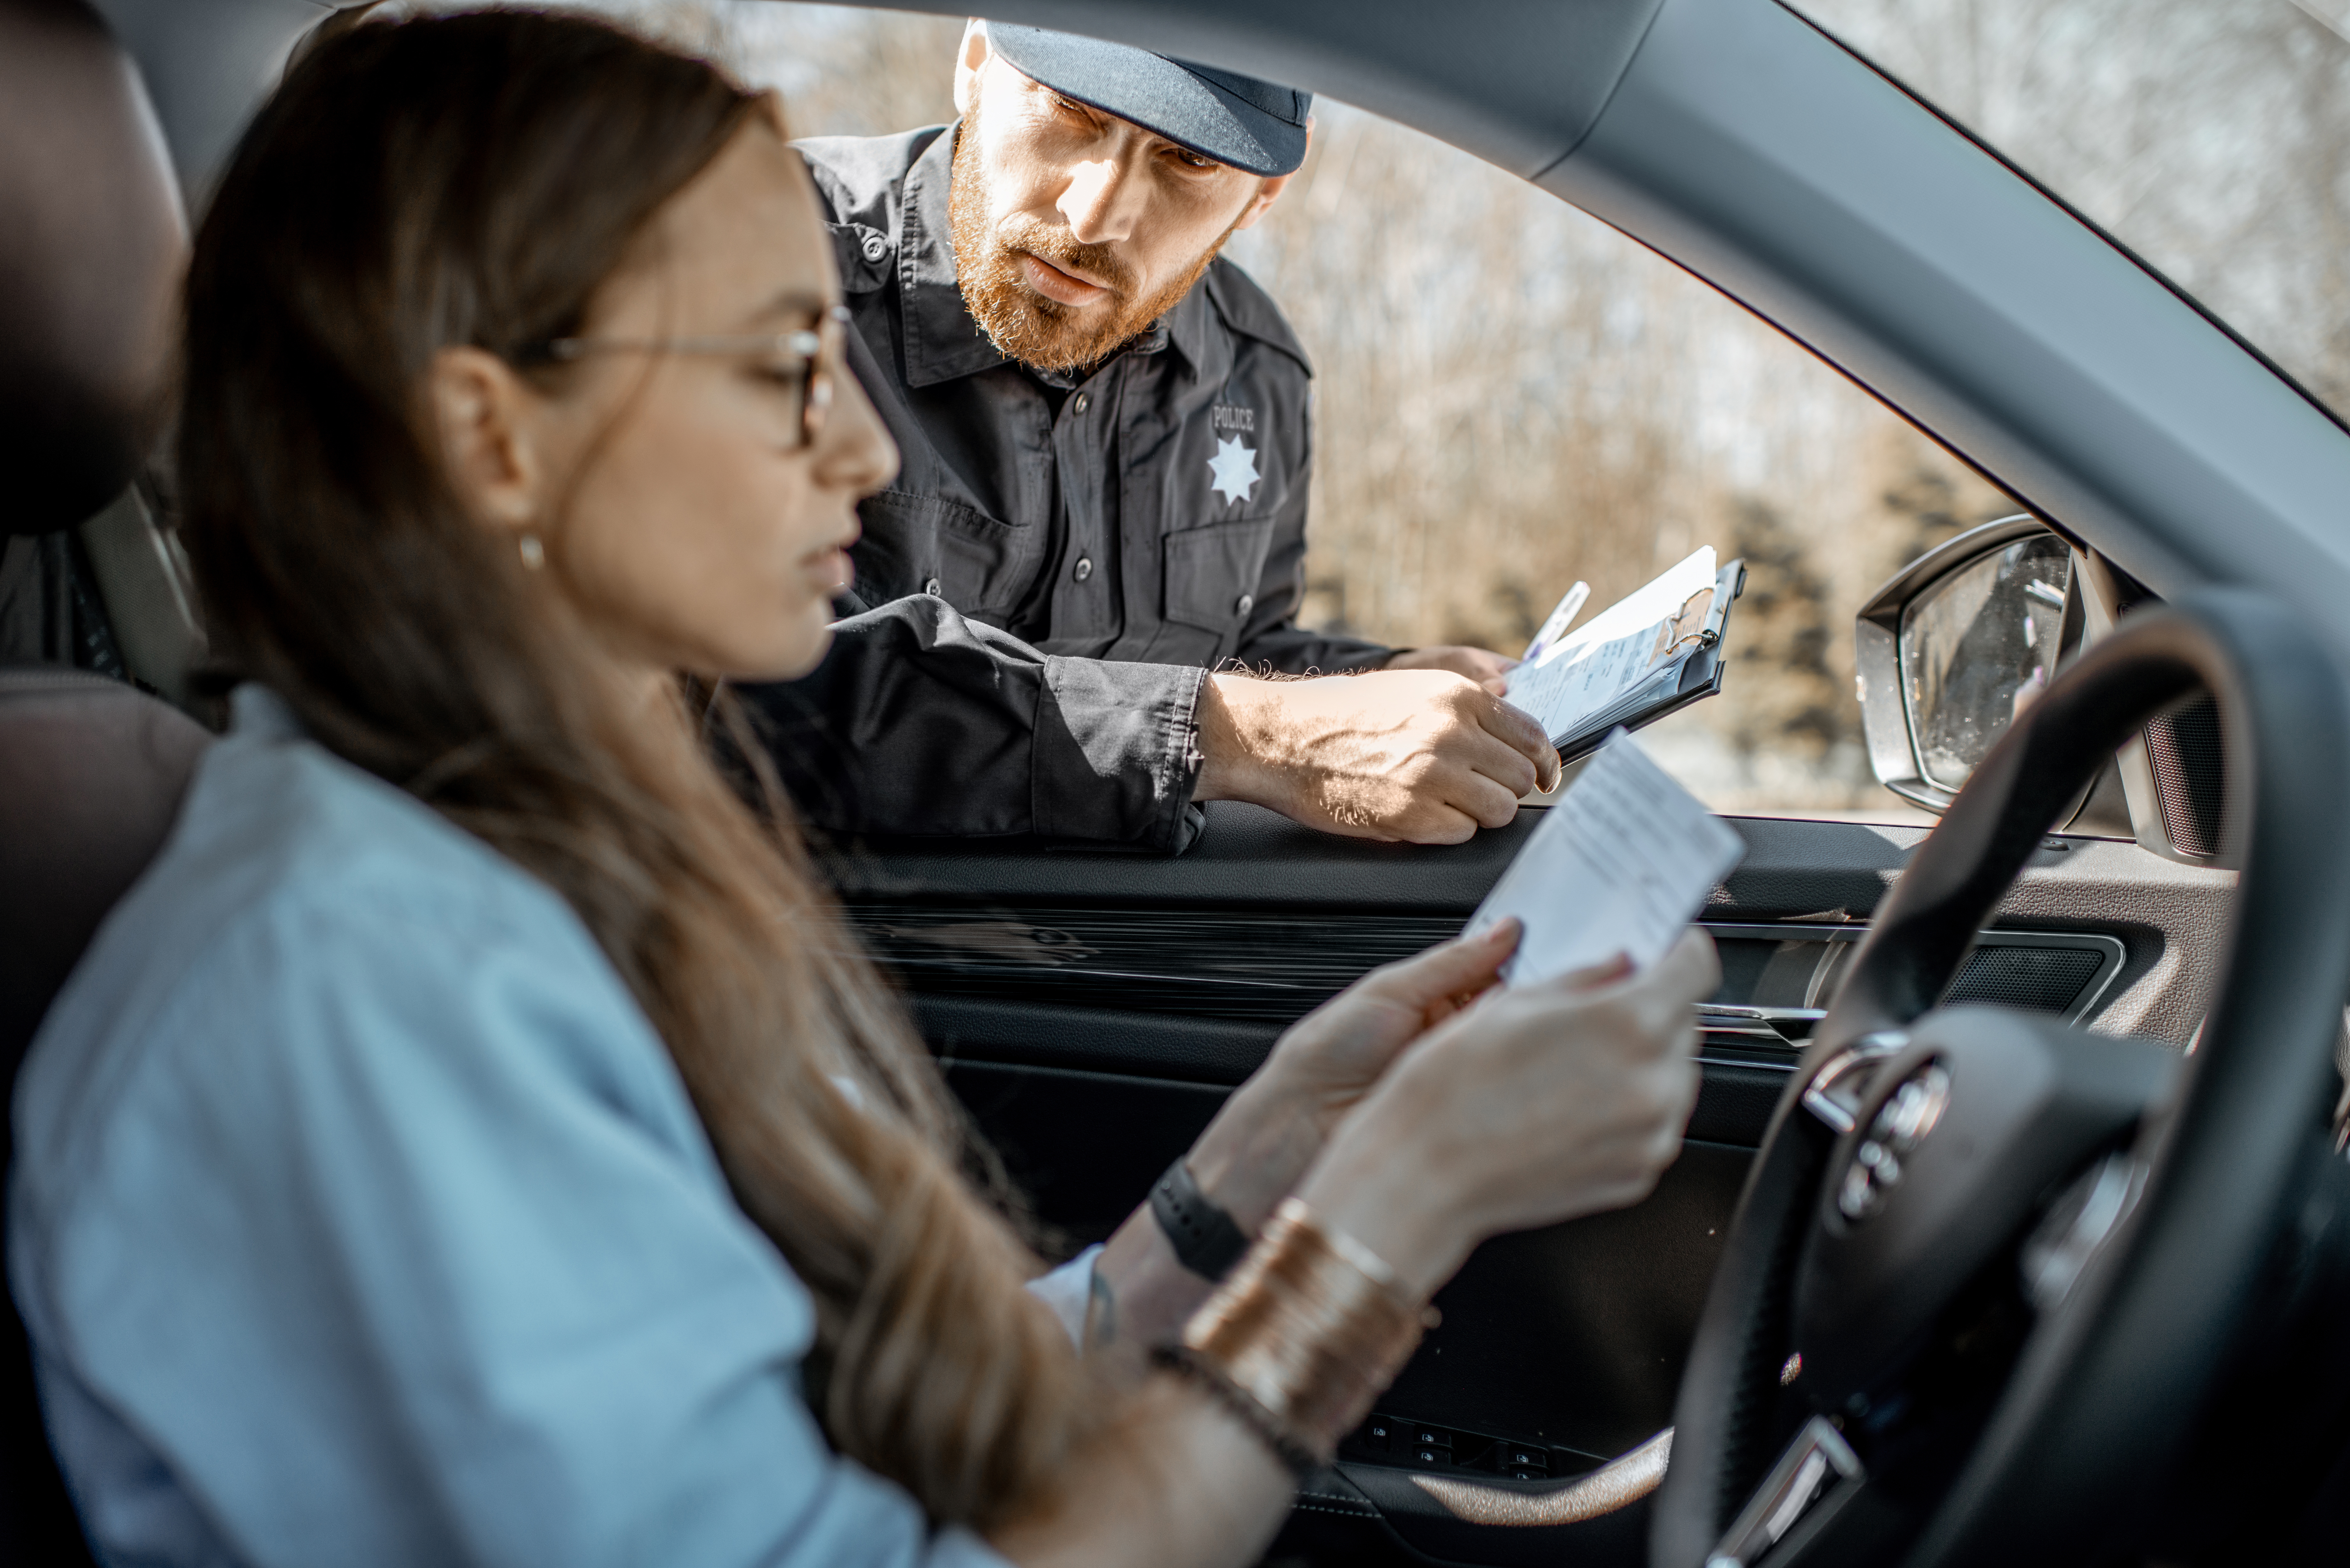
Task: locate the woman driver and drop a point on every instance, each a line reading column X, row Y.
column 476, row 1140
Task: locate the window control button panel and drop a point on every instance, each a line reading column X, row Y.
column 1386, row 1439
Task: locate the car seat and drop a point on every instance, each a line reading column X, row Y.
column 89, row 265
column 91, row 770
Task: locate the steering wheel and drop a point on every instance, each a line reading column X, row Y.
column 1987, row 1270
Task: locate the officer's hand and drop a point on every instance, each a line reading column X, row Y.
column 1423, row 756
column 1482, row 665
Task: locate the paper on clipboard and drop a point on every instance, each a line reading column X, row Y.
column 1632, row 643
column 1621, row 865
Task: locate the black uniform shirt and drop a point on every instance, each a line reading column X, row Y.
column 1061, row 557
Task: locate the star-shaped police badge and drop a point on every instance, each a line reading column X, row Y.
column 1233, row 469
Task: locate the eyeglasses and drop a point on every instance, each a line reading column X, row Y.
column 801, row 363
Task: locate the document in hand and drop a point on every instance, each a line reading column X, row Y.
column 1639, row 659
column 1619, row 866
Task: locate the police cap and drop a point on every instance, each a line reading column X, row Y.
column 1252, row 125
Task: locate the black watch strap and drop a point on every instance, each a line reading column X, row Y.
column 1205, row 1239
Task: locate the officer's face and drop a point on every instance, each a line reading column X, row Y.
column 1074, row 229
column 683, row 514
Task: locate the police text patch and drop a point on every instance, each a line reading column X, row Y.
column 1231, row 417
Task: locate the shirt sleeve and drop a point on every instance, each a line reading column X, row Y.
column 922, row 721
column 1068, row 1291
column 402, row 1244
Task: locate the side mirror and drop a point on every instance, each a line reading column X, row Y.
column 1955, row 646
column 1964, row 637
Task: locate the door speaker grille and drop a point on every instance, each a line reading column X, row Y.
column 2047, row 979
column 2189, row 776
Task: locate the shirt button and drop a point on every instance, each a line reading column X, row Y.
column 1085, row 567
column 1247, row 603
column 1082, row 400
column 931, row 588
column 875, row 247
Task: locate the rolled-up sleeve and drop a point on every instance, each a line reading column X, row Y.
column 922, row 721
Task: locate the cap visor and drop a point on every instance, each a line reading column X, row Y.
column 1156, row 94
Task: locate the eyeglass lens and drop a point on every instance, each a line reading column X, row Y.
column 816, row 382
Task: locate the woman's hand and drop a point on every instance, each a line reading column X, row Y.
column 1521, row 1108
column 1271, row 1130
column 1254, row 1154
column 1538, row 1105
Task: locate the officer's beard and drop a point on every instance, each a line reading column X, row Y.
column 1041, row 332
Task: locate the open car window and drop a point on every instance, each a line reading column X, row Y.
column 2211, row 136
column 1510, row 397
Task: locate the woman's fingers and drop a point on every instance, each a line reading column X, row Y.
column 1599, row 974
column 1598, row 1066
column 1545, row 1103
column 1334, row 1053
column 1692, row 970
column 1448, row 970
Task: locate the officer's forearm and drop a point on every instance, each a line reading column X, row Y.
column 1422, row 755
column 1233, row 713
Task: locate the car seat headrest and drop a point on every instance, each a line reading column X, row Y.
column 92, row 243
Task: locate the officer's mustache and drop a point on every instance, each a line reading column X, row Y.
column 1094, row 262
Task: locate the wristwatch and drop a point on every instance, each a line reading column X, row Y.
column 1206, row 1238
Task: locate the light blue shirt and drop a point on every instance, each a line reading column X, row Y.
column 359, row 1216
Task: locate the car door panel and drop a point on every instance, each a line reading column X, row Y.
column 1092, row 1009
column 1081, row 1148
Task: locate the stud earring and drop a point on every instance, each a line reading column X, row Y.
column 534, row 554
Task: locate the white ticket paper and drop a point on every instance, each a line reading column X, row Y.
column 1619, row 866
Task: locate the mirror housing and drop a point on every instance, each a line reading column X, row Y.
column 1928, row 717
column 1947, row 650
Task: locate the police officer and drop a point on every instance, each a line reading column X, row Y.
column 1106, row 447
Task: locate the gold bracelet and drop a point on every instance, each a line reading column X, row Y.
column 1308, row 1330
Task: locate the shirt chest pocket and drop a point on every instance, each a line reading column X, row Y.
column 929, row 543
column 1212, row 575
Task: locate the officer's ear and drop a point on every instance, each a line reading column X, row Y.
column 1273, row 186
column 969, row 60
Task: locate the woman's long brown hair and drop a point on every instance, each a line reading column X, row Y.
column 475, row 179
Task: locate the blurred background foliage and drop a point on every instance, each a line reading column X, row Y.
column 1512, row 396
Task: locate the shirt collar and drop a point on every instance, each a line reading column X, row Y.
column 258, row 713
column 1186, row 326
column 942, row 340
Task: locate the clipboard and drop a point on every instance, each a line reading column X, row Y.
column 1699, row 675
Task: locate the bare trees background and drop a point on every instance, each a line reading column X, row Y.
column 1511, row 395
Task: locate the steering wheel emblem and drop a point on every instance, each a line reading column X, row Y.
column 1900, row 1125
